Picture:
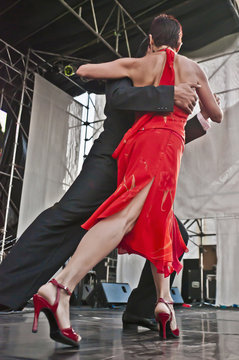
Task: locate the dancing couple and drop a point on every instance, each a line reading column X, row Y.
column 138, row 217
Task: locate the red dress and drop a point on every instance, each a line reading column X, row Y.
column 151, row 149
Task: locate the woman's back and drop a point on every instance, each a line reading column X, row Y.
column 159, row 70
column 148, row 70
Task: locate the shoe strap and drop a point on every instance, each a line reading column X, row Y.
column 161, row 300
column 167, row 303
column 60, row 286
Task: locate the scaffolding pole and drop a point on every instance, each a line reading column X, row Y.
column 89, row 27
column 1, row 100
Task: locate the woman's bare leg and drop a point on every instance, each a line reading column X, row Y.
column 99, row 241
column 162, row 285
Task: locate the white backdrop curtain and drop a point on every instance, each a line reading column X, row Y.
column 228, row 261
column 53, row 150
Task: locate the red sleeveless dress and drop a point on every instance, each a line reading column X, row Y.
column 151, row 149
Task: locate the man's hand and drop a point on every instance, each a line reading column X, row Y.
column 202, row 108
column 185, row 96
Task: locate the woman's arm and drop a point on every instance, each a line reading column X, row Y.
column 207, row 98
column 117, row 69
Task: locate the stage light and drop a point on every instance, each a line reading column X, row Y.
column 69, row 70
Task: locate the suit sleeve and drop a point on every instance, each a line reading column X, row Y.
column 124, row 96
column 193, row 130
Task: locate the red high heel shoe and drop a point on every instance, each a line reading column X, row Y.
column 66, row 336
column 164, row 320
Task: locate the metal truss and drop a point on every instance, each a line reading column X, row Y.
column 200, row 233
column 124, row 22
column 13, row 72
column 17, row 78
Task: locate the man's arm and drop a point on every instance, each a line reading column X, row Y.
column 199, row 124
column 124, row 96
column 193, row 130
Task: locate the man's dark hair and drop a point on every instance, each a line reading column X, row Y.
column 166, row 30
column 141, row 51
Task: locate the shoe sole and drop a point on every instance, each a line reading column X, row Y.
column 134, row 326
column 55, row 333
column 57, row 336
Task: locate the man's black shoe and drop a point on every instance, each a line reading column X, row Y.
column 6, row 309
column 131, row 321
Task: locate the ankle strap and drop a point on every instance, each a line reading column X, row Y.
column 161, row 300
column 60, row 286
column 167, row 303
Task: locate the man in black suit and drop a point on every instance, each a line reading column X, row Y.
column 54, row 235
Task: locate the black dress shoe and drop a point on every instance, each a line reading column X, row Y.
column 131, row 321
column 7, row 309
column 4, row 308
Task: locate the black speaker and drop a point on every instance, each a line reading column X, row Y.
column 194, row 285
column 108, row 294
column 191, row 284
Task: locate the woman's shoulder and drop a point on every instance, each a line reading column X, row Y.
column 186, row 60
column 190, row 64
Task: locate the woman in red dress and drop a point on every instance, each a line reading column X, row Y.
column 138, row 217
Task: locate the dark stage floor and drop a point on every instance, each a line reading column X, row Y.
column 206, row 334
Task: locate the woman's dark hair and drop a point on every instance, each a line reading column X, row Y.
column 166, row 30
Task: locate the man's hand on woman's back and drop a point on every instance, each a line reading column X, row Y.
column 185, row 96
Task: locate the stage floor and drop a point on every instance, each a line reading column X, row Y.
column 206, row 334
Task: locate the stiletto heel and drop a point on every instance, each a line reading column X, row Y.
column 164, row 320
column 37, row 310
column 66, row 336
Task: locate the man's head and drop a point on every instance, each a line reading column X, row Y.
column 142, row 49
